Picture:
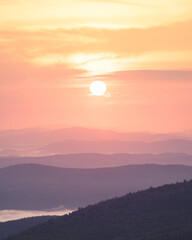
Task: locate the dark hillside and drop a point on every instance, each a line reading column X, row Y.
column 16, row 226
column 162, row 213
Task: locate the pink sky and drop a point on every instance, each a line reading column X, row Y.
column 50, row 52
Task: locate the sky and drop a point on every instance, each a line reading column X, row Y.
column 51, row 51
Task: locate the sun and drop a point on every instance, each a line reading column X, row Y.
column 98, row 88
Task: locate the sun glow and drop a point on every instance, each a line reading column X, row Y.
column 98, row 88
column 95, row 64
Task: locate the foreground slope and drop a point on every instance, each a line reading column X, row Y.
column 37, row 187
column 16, row 226
column 163, row 213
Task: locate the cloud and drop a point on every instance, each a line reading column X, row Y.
column 136, row 3
column 8, row 1
column 136, row 41
column 126, row 42
column 41, row 56
column 150, row 76
column 20, row 73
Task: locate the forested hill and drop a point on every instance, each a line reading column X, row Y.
column 162, row 213
column 16, row 226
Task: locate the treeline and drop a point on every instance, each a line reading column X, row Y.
column 162, row 213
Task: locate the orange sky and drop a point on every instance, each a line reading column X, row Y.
column 50, row 52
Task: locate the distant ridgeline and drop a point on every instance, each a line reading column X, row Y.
column 163, row 213
column 38, row 187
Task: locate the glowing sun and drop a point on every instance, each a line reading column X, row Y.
column 98, row 88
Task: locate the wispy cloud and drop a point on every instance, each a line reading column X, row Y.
column 7, row 2
column 127, row 42
column 44, row 56
column 26, row 74
column 135, row 3
column 151, row 76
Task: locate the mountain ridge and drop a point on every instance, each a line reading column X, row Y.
column 38, row 187
column 107, row 147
